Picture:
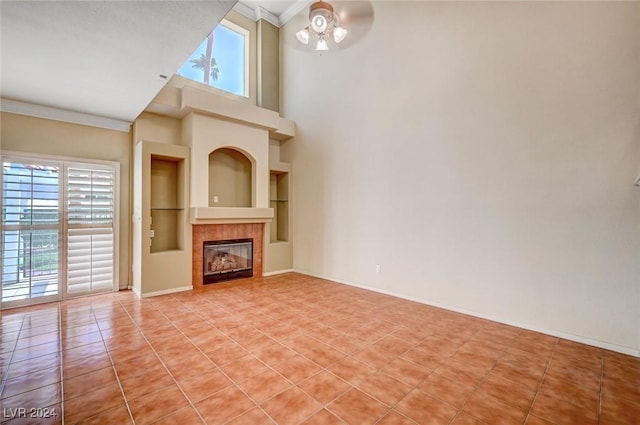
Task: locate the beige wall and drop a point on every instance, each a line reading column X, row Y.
column 229, row 179
column 157, row 128
column 268, row 62
column 41, row 136
column 204, row 134
column 483, row 154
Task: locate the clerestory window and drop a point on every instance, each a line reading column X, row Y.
column 221, row 60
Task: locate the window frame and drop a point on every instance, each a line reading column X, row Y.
column 63, row 162
column 247, row 47
column 247, row 69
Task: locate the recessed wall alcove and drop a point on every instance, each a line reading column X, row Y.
column 231, row 179
column 230, row 160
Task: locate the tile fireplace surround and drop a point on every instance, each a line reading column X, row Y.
column 218, row 232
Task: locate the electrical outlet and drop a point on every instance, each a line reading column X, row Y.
column 377, row 268
column 215, row 199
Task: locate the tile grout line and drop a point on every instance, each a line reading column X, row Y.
column 61, row 364
column 544, row 374
column 222, row 371
column 440, row 363
column 370, row 344
column 258, row 405
column 475, row 389
column 602, row 363
column 137, row 326
column 377, row 370
column 191, row 403
column 10, row 363
column 293, row 384
column 484, row 378
column 326, row 369
column 5, row 378
column 113, row 365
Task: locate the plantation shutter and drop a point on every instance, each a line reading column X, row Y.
column 90, row 229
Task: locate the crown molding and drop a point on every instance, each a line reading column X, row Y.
column 293, row 10
column 257, row 14
column 245, row 11
column 262, row 13
column 55, row 114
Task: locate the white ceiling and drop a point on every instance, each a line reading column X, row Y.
column 103, row 58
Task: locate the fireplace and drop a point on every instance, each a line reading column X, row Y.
column 227, row 260
column 203, row 233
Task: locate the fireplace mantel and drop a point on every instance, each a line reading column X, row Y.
column 230, row 215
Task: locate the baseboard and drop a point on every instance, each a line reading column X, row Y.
column 163, row 292
column 571, row 337
column 277, row 272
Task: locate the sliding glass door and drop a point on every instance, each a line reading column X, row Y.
column 59, row 230
column 30, row 231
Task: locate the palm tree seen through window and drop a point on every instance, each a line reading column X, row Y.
column 220, row 60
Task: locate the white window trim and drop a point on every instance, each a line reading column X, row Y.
column 247, row 47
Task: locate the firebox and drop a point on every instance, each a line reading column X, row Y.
column 227, row 260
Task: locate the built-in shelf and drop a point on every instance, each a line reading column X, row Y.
column 162, row 235
column 166, row 214
column 279, row 192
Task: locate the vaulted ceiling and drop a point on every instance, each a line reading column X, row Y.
column 107, row 58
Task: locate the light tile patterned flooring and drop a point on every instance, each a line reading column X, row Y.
column 293, row 349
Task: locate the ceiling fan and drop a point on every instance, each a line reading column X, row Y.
column 331, row 25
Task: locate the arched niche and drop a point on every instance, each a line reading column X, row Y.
column 230, row 179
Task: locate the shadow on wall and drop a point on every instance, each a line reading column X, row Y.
column 307, row 189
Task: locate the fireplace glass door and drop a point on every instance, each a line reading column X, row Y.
column 226, row 260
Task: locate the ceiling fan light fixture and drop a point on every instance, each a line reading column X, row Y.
column 323, row 22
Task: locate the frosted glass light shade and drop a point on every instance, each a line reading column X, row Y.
column 303, row 36
column 339, row 34
column 322, row 44
column 319, row 23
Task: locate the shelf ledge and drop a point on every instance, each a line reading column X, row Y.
column 230, row 215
